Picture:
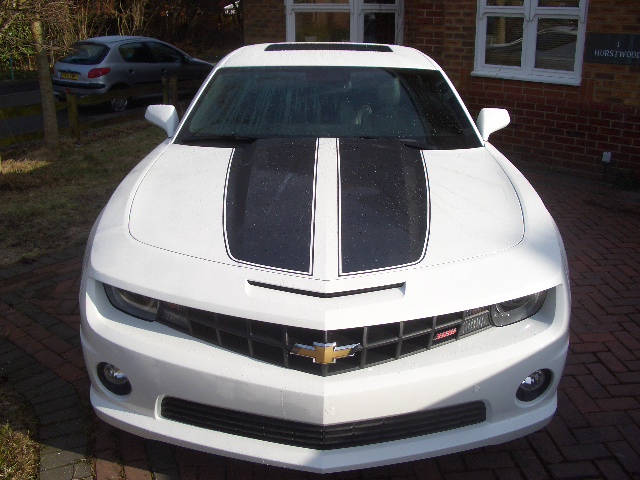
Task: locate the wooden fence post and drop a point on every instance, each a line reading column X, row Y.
column 165, row 91
column 72, row 112
column 175, row 101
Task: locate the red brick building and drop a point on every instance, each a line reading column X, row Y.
column 568, row 71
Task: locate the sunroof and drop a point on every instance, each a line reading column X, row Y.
column 348, row 47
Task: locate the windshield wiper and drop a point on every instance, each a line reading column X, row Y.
column 419, row 144
column 216, row 140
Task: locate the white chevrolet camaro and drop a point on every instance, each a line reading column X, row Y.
column 325, row 266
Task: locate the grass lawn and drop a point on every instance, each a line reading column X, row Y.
column 19, row 453
column 49, row 202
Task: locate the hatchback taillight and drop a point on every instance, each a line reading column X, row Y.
column 98, row 72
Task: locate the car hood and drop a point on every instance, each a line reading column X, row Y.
column 325, row 207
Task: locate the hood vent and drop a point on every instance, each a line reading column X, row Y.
column 345, row 47
column 309, row 293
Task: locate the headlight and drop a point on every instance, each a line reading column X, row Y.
column 512, row 311
column 133, row 304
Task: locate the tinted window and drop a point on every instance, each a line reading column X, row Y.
column 86, row 54
column 338, row 102
column 164, row 54
column 135, row 52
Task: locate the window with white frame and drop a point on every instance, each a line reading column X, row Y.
column 536, row 40
column 370, row 21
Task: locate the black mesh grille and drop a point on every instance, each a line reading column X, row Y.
column 272, row 343
column 323, row 437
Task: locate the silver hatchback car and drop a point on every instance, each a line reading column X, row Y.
column 102, row 64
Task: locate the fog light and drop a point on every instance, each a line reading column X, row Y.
column 534, row 385
column 114, row 379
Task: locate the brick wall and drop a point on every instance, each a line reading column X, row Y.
column 264, row 21
column 563, row 127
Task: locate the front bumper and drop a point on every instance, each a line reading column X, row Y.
column 487, row 367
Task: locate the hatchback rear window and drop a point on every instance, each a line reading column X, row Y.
column 86, row 54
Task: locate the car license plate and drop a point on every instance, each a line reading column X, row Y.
column 69, row 75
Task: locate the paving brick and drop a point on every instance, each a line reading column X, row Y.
column 83, row 470
column 424, row 470
column 559, row 432
column 66, row 332
column 107, row 468
column 64, row 427
column 508, row 474
column 169, row 474
column 611, row 470
column 589, row 451
column 160, row 455
column 598, row 338
column 66, row 472
column 626, row 390
column 631, row 433
column 488, row 460
column 611, row 362
column 73, row 441
column 602, row 374
column 59, row 459
column 37, row 332
column 597, row 434
column 574, row 470
column 72, row 413
column 132, row 447
column 629, row 459
column 545, row 447
column 137, row 470
column 26, row 343
column 52, row 405
column 49, row 358
column 57, row 345
column 69, row 372
column 618, row 403
column 581, row 399
column 450, row 463
column 598, row 419
column 569, row 413
column 34, row 381
column 621, row 352
column 592, row 387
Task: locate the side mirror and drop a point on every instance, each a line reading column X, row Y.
column 491, row 120
column 163, row 116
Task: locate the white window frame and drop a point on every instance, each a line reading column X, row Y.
column 530, row 12
column 357, row 10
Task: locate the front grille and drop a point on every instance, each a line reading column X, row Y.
column 272, row 343
column 323, row 437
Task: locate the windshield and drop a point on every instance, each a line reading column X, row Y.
column 342, row 102
column 86, row 54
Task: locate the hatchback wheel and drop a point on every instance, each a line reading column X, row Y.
column 118, row 104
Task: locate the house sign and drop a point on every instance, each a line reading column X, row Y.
column 612, row 48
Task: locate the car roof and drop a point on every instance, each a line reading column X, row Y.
column 330, row 54
column 116, row 39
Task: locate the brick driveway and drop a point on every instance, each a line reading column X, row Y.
column 595, row 434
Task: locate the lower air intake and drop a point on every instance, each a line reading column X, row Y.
column 323, row 437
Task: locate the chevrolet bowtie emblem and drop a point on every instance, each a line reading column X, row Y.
column 324, row 353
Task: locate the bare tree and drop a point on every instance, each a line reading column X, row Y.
column 36, row 14
column 50, row 120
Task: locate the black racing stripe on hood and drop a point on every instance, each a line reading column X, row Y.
column 269, row 203
column 383, row 204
